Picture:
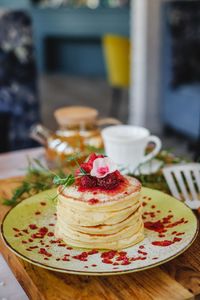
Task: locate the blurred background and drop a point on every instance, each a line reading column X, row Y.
column 138, row 61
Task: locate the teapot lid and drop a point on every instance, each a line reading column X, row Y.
column 72, row 115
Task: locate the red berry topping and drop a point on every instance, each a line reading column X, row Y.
column 87, row 166
column 94, row 156
column 110, row 181
column 88, row 181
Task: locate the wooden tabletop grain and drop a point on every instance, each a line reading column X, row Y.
column 178, row 279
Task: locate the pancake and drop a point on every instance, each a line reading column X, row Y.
column 100, row 219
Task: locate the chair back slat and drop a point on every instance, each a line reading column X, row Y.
column 171, row 183
column 181, row 184
column 191, row 184
column 196, row 173
column 184, row 182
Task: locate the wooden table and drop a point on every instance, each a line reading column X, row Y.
column 178, row 279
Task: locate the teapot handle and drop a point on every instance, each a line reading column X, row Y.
column 107, row 121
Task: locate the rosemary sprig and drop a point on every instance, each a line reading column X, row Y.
column 38, row 178
column 67, row 181
column 18, row 193
column 93, row 149
column 70, row 178
column 74, row 158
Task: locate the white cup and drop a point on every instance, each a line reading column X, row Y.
column 126, row 144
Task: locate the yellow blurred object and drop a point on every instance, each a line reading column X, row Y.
column 117, row 57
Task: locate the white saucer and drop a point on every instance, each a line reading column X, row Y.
column 149, row 167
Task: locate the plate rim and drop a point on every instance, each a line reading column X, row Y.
column 109, row 273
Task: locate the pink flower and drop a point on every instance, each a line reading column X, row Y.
column 102, row 167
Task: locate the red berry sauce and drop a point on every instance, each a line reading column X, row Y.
column 141, row 247
column 93, row 201
column 16, row 229
column 82, row 256
column 166, row 243
column 33, row 226
column 43, row 251
column 37, row 213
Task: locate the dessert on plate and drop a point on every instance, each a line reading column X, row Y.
column 101, row 209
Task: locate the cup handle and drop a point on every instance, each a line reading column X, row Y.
column 155, row 151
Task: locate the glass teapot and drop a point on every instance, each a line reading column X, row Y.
column 79, row 133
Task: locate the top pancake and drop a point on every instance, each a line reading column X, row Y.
column 72, row 192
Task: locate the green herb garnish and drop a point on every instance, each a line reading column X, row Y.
column 37, row 179
column 69, row 180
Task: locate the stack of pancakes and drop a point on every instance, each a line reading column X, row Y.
column 102, row 220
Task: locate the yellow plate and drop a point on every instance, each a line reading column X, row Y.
column 28, row 230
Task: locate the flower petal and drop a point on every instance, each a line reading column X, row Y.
column 102, row 167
